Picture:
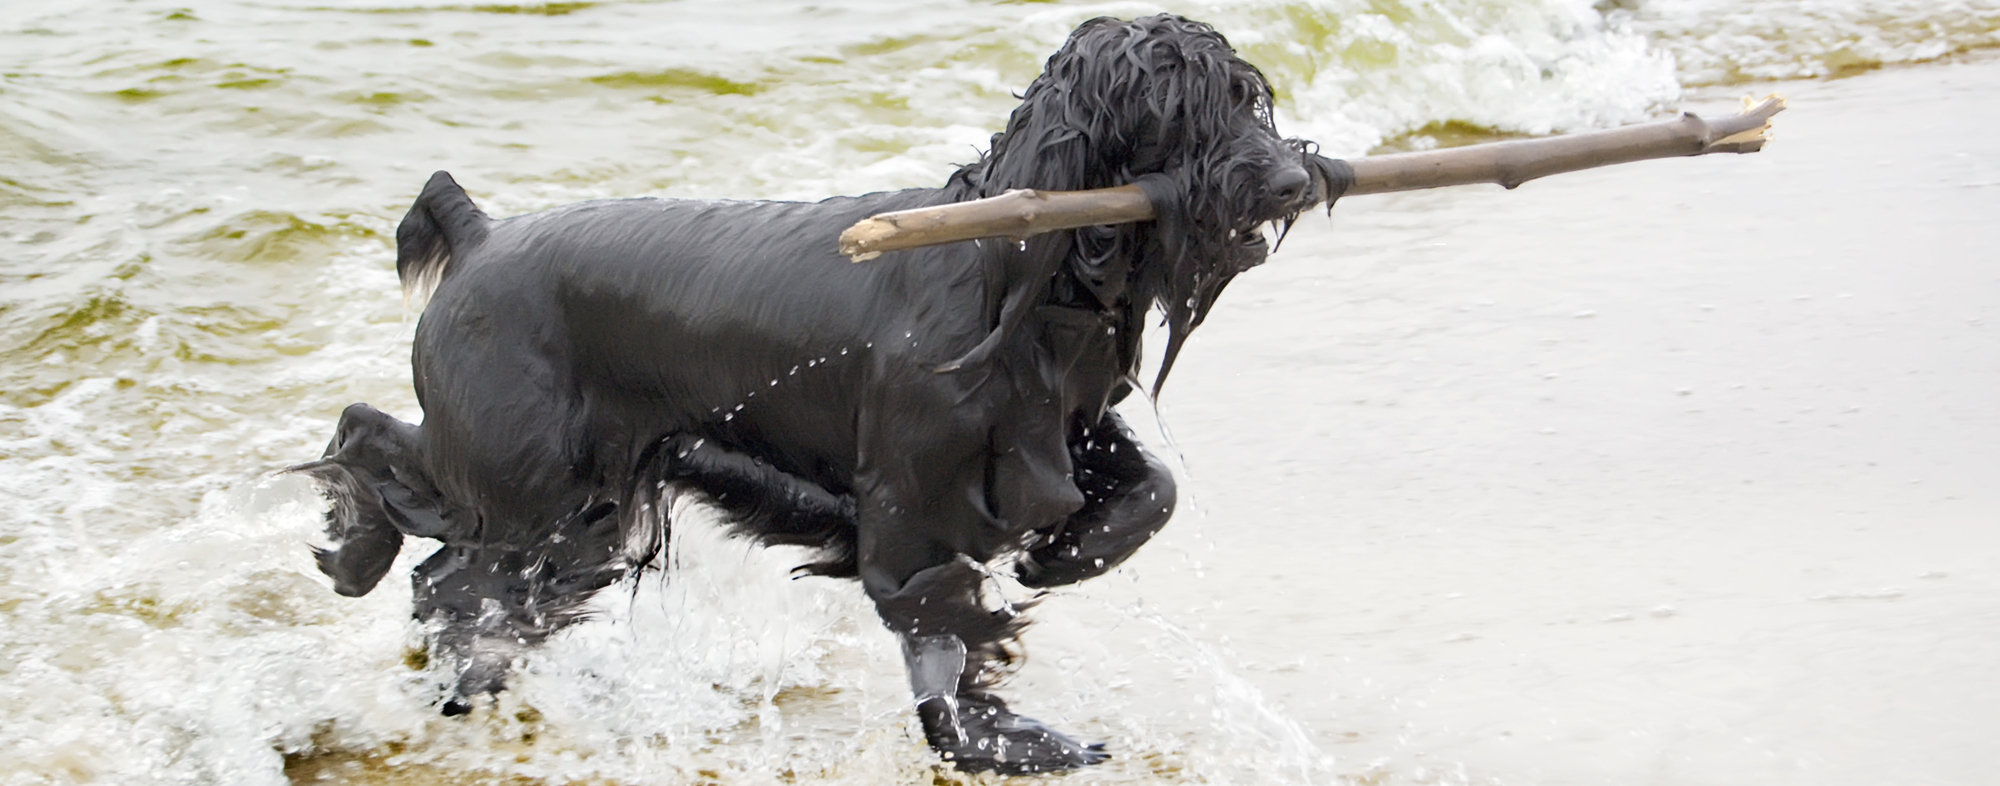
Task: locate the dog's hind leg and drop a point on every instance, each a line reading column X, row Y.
column 373, row 474
column 487, row 606
column 458, row 594
column 1128, row 496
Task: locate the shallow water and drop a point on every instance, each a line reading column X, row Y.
column 1680, row 473
column 1673, row 473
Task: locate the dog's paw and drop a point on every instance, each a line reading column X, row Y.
column 978, row 733
column 482, row 663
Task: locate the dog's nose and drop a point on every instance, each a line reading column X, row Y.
column 1289, row 185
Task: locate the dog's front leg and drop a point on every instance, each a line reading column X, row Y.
column 949, row 638
column 1128, row 496
column 973, row 728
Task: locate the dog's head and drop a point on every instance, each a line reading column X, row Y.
column 1163, row 102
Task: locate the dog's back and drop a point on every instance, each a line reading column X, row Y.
column 557, row 348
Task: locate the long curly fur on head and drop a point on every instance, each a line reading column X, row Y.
column 1163, row 102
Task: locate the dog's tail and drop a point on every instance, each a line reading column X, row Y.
column 443, row 224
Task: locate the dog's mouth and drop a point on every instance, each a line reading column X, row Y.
column 1251, row 236
column 1277, row 207
column 1261, row 237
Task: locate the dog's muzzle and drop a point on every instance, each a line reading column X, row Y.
column 1286, row 191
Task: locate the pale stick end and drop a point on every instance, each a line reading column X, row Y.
column 1752, row 139
column 1770, row 105
column 1745, row 141
column 859, row 242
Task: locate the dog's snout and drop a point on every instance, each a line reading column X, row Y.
column 1288, row 185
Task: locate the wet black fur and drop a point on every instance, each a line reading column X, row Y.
column 912, row 419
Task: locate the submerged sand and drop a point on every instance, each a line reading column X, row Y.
column 1680, row 472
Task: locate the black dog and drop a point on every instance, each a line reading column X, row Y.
column 914, row 419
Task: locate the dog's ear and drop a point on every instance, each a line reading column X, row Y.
column 1125, row 99
column 1118, row 100
column 1163, row 102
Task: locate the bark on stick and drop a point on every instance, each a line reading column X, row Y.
column 1025, row 213
column 1018, row 214
column 1513, row 163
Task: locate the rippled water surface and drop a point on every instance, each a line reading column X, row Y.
column 1675, row 474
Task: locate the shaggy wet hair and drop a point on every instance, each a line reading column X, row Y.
column 1191, row 116
column 920, row 421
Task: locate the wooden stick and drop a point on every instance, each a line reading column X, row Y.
column 1512, row 163
column 1018, row 214
column 1025, row 213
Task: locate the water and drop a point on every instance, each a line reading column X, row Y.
column 197, row 201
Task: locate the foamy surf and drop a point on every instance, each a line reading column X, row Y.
column 211, row 652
